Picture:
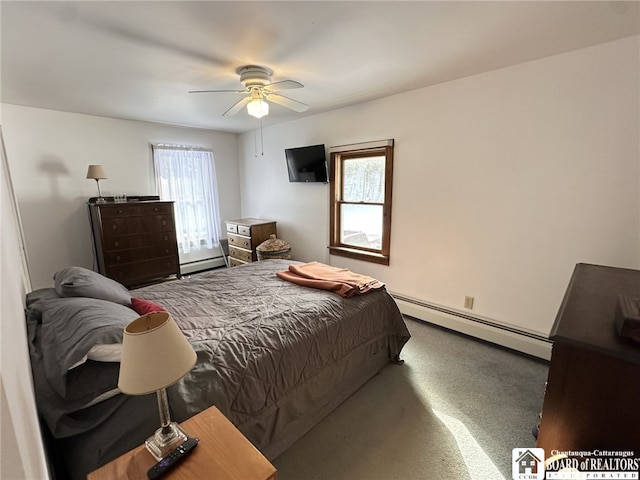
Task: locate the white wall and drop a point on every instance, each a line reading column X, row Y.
column 502, row 182
column 21, row 450
column 49, row 152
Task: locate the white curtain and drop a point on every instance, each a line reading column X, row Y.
column 187, row 176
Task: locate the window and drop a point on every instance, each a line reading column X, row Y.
column 361, row 178
column 187, row 176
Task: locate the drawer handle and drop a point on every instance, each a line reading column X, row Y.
column 164, row 222
column 166, row 250
column 166, row 237
column 120, row 210
column 116, row 244
column 118, row 258
column 114, row 227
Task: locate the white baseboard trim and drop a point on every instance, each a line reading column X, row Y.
column 200, row 265
column 506, row 336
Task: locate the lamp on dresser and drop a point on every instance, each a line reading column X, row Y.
column 155, row 355
column 97, row 173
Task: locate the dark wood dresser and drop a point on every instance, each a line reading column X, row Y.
column 135, row 241
column 592, row 400
column 244, row 235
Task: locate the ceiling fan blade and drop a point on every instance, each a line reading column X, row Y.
column 287, row 102
column 237, row 107
column 218, row 91
column 283, row 85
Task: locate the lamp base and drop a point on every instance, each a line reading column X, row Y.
column 165, row 440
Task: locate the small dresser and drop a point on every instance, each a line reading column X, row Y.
column 135, row 241
column 244, row 236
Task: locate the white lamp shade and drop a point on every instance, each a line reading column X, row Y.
column 258, row 108
column 96, row 172
column 155, row 354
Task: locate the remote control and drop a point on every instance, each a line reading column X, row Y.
column 172, row 459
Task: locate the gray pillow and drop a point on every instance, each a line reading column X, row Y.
column 81, row 282
column 34, row 300
column 41, row 294
column 71, row 326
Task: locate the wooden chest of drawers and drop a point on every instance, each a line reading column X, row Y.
column 592, row 395
column 135, row 242
column 244, row 236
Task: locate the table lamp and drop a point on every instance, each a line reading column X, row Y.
column 97, row 173
column 155, row 355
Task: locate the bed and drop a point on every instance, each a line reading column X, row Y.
column 275, row 357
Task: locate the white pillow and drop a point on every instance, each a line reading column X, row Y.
column 105, row 353
column 101, row 353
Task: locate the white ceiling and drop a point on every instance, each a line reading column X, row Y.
column 138, row 60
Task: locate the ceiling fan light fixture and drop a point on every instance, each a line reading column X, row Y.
column 258, row 88
column 258, row 108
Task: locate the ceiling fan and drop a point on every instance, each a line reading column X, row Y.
column 259, row 90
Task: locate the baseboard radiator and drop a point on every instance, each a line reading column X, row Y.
column 506, row 336
column 200, row 265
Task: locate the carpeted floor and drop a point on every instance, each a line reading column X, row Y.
column 454, row 410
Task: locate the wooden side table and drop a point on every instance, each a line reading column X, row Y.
column 223, row 453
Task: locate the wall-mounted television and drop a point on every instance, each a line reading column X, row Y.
column 307, row 164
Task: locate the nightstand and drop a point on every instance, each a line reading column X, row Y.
column 222, row 454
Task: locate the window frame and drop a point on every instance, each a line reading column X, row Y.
column 338, row 156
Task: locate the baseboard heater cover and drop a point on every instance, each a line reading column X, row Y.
column 200, row 265
column 504, row 335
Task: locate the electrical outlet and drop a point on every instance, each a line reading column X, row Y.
column 468, row 303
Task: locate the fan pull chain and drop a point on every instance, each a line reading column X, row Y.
column 255, row 144
column 255, row 141
column 261, row 139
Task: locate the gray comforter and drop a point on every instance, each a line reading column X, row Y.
column 258, row 337
column 268, row 350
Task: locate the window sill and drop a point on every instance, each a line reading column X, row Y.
column 356, row 254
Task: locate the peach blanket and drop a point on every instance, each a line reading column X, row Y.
column 326, row 277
